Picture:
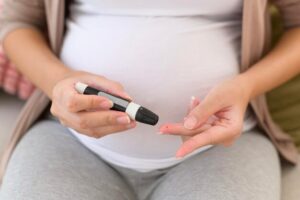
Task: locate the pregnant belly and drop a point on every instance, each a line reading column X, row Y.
column 160, row 62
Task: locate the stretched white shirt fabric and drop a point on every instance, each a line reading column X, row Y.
column 163, row 52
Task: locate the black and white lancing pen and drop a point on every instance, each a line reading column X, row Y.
column 135, row 111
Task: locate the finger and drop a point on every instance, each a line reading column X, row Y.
column 3, row 60
column 11, row 78
column 25, row 88
column 202, row 112
column 228, row 143
column 24, row 84
column 76, row 102
column 179, row 129
column 214, row 135
column 103, row 131
column 2, row 71
column 105, row 85
column 87, row 120
column 10, row 84
column 193, row 103
column 12, row 72
column 91, row 120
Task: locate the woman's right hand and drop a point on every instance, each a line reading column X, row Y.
column 89, row 114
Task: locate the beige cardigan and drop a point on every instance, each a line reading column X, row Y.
column 49, row 16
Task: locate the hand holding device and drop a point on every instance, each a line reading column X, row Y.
column 89, row 114
column 135, row 111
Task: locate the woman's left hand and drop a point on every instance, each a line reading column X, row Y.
column 217, row 119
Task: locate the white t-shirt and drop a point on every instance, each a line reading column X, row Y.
column 163, row 52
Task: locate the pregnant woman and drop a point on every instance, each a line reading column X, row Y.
column 186, row 61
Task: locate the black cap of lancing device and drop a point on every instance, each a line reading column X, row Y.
column 135, row 111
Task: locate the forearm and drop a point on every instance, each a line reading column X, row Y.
column 28, row 49
column 280, row 65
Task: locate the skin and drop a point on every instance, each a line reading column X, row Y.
column 12, row 81
column 228, row 100
column 216, row 119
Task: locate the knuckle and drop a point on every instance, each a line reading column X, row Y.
column 109, row 119
column 63, row 122
column 227, row 144
column 236, row 130
column 83, row 123
column 71, row 105
column 95, row 134
column 52, row 110
column 101, row 77
column 94, row 101
column 118, row 85
column 192, row 143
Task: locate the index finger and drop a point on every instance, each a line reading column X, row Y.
column 105, row 85
column 213, row 135
column 79, row 102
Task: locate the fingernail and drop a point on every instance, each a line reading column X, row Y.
column 130, row 126
column 126, row 95
column 106, row 104
column 123, row 120
column 159, row 133
column 193, row 98
column 190, row 122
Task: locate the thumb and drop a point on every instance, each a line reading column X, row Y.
column 194, row 101
column 202, row 112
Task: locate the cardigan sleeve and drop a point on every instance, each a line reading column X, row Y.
column 290, row 11
column 22, row 14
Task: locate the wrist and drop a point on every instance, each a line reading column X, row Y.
column 60, row 73
column 246, row 85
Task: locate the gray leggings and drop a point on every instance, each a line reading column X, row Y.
column 50, row 164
